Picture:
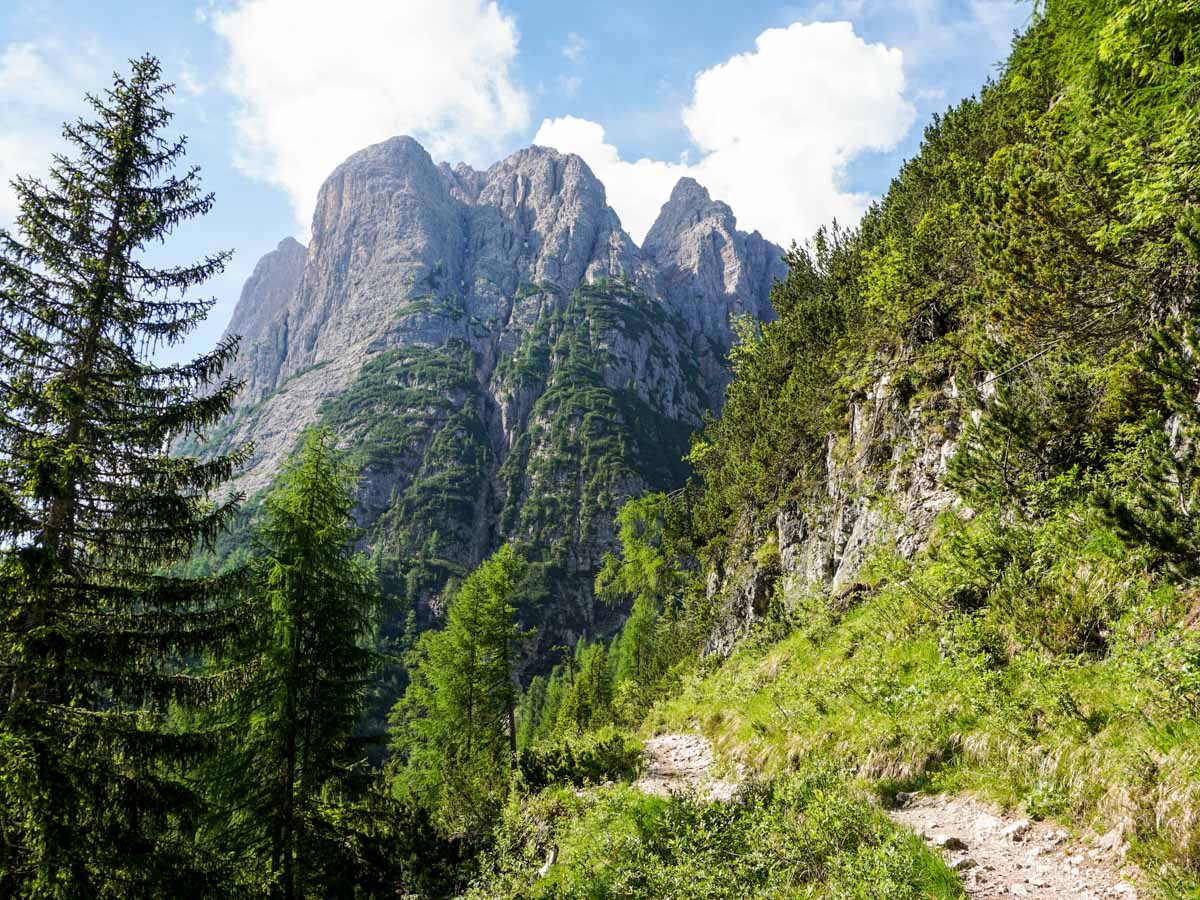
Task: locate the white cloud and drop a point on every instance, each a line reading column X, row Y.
column 42, row 84
column 189, row 79
column 316, row 84
column 570, row 84
column 574, row 48
column 776, row 128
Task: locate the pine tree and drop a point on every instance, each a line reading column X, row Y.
column 529, row 711
column 297, row 772
column 94, row 509
column 547, row 717
column 455, row 727
column 587, row 702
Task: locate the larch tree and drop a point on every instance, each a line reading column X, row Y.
column 95, row 509
column 291, row 785
column 455, row 727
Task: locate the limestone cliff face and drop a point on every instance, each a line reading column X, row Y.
column 501, row 359
column 260, row 318
column 881, row 490
column 709, row 271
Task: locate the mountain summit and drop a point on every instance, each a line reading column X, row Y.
column 504, row 362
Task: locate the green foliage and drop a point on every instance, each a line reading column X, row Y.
column 604, row 754
column 777, row 409
column 93, row 510
column 288, row 787
column 804, row 836
column 587, row 700
column 455, row 727
column 1040, row 665
column 648, row 528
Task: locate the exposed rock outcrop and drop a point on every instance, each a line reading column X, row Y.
column 260, row 318
column 881, row 489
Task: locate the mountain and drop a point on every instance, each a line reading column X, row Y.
column 499, row 357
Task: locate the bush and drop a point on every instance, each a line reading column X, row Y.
column 605, row 755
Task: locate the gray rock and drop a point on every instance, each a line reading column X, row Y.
column 260, row 317
column 710, row 272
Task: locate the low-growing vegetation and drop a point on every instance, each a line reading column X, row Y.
column 806, row 835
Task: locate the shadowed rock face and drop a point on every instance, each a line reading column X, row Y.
column 502, row 360
column 261, row 316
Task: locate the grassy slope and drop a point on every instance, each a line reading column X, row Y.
column 901, row 696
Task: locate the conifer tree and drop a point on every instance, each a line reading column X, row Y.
column 94, row 509
column 587, row 702
column 456, row 724
column 529, row 711
column 297, row 771
column 636, row 648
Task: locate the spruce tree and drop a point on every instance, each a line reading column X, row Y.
column 455, row 727
column 94, row 509
column 292, row 784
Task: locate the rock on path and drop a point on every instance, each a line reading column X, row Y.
column 999, row 856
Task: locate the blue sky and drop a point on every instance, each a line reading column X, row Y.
column 789, row 117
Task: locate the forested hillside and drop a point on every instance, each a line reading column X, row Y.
column 939, row 539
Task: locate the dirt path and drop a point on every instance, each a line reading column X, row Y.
column 1000, row 856
column 676, row 763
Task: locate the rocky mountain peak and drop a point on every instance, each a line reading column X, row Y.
column 689, row 205
column 709, row 271
column 501, row 358
column 264, row 300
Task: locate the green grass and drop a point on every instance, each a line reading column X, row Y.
column 910, row 691
column 806, row 835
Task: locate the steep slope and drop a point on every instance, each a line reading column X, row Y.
column 952, row 494
column 502, row 360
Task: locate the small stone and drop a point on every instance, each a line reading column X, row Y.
column 1016, row 831
column 949, row 842
column 964, row 864
column 903, row 798
column 1113, row 842
column 986, row 822
column 1018, row 890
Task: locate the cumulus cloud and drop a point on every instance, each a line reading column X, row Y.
column 42, row 83
column 316, row 82
column 776, row 128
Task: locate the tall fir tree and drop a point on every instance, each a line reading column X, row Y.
column 94, row 509
column 292, row 786
column 455, row 727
